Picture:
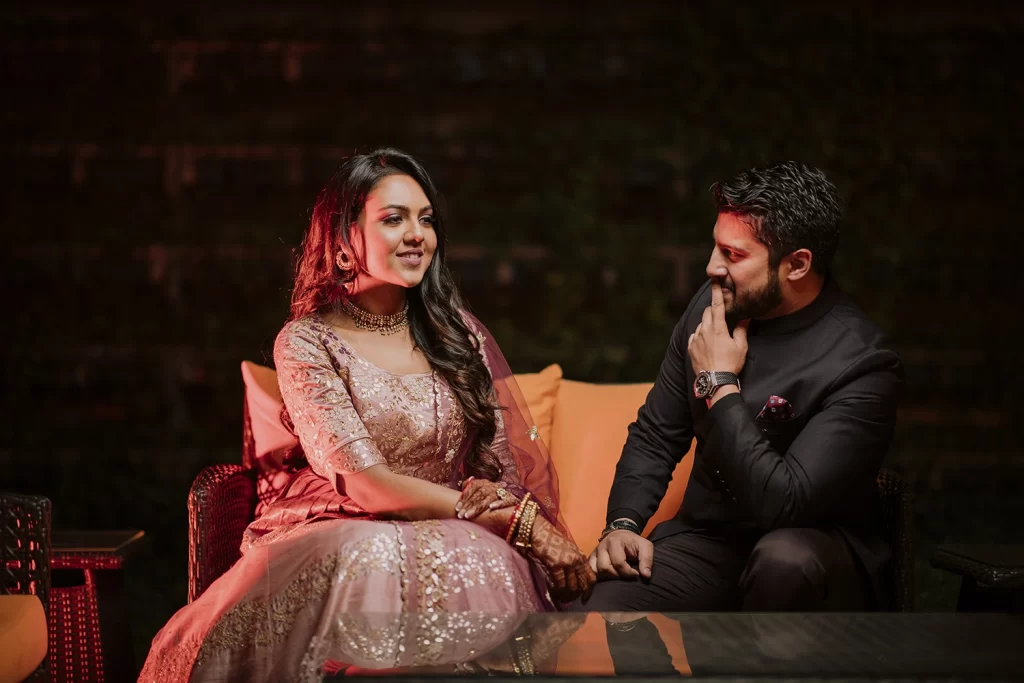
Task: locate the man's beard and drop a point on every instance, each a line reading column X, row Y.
column 755, row 304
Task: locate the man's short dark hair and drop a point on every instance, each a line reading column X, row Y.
column 790, row 206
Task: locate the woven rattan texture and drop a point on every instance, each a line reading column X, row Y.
column 898, row 520
column 85, row 560
column 76, row 651
column 25, row 553
column 221, row 505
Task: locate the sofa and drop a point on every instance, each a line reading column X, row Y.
column 583, row 424
column 25, row 588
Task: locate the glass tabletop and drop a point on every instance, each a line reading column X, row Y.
column 873, row 645
column 94, row 540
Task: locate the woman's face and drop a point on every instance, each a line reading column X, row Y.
column 395, row 238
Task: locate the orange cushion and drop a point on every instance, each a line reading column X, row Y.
column 263, row 396
column 540, row 389
column 590, row 429
column 23, row 639
column 273, row 440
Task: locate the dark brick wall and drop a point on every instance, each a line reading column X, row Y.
column 160, row 167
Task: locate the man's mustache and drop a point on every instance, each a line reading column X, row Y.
column 726, row 286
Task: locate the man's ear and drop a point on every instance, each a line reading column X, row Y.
column 799, row 263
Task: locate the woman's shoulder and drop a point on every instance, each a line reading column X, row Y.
column 300, row 328
column 301, row 336
column 312, row 336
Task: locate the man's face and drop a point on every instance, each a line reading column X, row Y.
column 740, row 264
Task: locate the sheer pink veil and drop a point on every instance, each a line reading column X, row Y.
column 524, row 456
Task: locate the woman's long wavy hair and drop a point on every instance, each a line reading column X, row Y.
column 435, row 319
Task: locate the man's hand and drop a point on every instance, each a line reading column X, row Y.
column 610, row 560
column 711, row 347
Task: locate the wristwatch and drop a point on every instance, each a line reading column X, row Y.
column 706, row 383
column 621, row 524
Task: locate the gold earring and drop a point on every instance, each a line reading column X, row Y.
column 343, row 262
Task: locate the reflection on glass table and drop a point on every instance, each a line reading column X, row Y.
column 446, row 643
column 718, row 644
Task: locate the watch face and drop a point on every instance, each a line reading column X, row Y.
column 702, row 385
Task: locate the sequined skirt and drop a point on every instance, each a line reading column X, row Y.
column 368, row 593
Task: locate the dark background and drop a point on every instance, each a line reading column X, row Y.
column 161, row 165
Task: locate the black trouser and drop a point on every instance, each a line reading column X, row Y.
column 800, row 570
column 697, row 571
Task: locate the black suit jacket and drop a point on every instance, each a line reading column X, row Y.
column 818, row 469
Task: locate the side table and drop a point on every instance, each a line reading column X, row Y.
column 90, row 638
column 993, row 576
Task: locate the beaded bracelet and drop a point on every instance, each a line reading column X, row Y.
column 524, row 534
column 527, row 531
column 514, row 523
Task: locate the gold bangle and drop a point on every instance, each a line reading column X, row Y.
column 524, row 520
column 514, row 526
column 528, row 540
column 524, row 536
column 528, row 505
column 533, row 523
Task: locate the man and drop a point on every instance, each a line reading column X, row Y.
column 791, row 395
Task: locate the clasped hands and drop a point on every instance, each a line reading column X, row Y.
column 568, row 571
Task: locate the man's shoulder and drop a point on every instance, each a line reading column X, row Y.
column 857, row 326
column 864, row 346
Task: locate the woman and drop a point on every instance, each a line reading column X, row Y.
column 426, row 491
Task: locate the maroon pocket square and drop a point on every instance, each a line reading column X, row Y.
column 777, row 409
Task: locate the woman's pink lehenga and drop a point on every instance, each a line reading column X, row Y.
column 320, row 582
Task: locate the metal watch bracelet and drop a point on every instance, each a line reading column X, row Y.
column 623, row 525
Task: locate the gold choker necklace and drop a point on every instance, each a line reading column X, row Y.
column 385, row 324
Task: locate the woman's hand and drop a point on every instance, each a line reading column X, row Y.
column 567, row 567
column 480, row 495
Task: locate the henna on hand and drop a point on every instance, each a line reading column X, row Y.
column 495, row 521
column 568, row 568
column 482, row 495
